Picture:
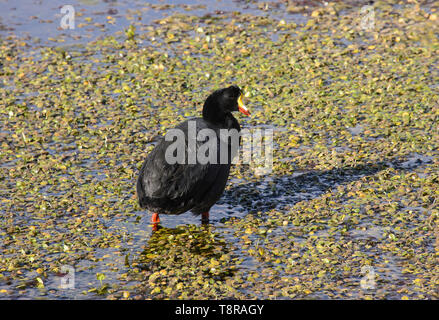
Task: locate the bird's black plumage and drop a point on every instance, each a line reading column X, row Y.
column 176, row 188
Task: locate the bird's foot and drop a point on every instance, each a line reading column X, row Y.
column 205, row 217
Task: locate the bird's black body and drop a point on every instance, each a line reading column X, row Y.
column 177, row 188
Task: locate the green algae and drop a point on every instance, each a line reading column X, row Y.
column 358, row 109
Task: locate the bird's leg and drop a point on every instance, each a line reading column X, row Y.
column 205, row 217
column 155, row 220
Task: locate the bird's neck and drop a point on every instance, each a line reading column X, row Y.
column 221, row 120
column 213, row 114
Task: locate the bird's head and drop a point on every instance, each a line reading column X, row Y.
column 224, row 101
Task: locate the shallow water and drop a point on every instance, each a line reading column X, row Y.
column 244, row 199
column 40, row 19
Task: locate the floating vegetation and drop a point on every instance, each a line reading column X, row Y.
column 355, row 175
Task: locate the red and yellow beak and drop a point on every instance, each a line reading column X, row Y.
column 241, row 107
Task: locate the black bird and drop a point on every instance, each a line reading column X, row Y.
column 182, row 184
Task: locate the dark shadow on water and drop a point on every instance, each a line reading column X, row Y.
column 281, row 192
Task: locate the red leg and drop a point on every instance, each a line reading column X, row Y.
column 155, row 220
column 205, row 217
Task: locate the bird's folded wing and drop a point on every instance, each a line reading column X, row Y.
column 161, row 180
